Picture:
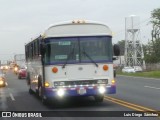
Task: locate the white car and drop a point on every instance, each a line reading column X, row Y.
column 128, row 70
column 137, row 68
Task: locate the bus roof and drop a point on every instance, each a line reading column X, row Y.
column 77, row 28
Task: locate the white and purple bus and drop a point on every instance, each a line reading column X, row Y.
column 72, row 59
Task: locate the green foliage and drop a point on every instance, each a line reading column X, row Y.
column 151, row 58
column 151, row 74
column 152, row 50
column 155, row 14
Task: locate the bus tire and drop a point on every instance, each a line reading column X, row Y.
column 30, row 91
column 39, row 91
column 99, row 98
column 45, row 101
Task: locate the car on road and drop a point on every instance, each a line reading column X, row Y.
column 2, row 79
column 22, row 73
column 128, row 70
column 4, row 67
column 137, row 68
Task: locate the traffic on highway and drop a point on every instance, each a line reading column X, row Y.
column 136, row 97
column 68, row 76
column 79, row 60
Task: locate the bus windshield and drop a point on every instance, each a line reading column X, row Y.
column 78, row 50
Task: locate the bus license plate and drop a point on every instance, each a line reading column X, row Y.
column 81, row 91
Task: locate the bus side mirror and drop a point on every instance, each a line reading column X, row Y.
column 42, row 49
column 116, row 50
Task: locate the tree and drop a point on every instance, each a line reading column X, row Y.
column 152, row 50
column 155, row 15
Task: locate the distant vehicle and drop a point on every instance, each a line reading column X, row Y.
column 4, row 67
column 16, row 69
column 128, row 70
column 138, row 68
column 2, row 79
column 19, row 59
column 12, row 65
column 22, row 73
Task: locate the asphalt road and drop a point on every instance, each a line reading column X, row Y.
column 142, row 92
column 138, row 90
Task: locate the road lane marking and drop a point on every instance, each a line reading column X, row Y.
column 130, row 105
column 6, row 84
column 11, row 95
column 3, row 100
column 151, row 87
column 124, row 105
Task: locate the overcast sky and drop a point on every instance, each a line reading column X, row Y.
column 21, row 20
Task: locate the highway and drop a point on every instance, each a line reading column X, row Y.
column 133, row 94
column 138, row 90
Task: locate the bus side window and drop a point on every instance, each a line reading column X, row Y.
column 30, row 51
column 34, row 49
column 38, row 47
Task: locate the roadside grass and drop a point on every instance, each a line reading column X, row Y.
column 148, row 74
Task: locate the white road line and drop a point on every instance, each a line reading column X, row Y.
column 6, row 84
column 11, row 95
column 3, row 99
column 151, row 87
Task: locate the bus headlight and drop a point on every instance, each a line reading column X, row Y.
column 60, row 92
column 102, row 89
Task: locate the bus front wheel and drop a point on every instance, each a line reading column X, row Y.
column 30, row 91
column 44, row 100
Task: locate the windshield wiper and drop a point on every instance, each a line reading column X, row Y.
column 84, row 52
column 69, row 55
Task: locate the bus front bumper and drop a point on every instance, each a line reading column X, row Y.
column 80, row 91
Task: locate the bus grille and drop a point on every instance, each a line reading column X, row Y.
column 82, row 82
